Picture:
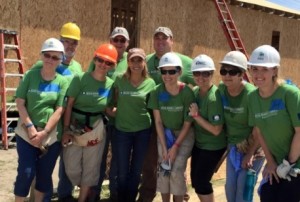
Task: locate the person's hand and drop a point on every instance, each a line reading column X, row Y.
column 38, row 138
column 66, row 139
column 172, row 153
column 269, row 172
column 247, row 161
column 31, row 132
column 283, row 170
column 294, row 172
column 193, row 110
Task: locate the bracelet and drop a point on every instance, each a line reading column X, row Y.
column 28, row 125
column 177, row 145
column 195, row 115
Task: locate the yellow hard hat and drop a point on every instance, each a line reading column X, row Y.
column 70, row 30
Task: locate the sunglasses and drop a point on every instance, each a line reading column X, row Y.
column 231, row 72
column 53, row 57
column 170, row 71
column 116, row 40
column 100, row 60
column 204, row 74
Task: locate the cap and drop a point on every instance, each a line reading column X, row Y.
column 165, row 30
column 136, row 52
column 119, row 31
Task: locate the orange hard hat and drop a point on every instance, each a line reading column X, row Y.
column 108, row 52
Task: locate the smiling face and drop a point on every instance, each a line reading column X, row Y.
column 162, row 44
column 231, row 76
column 102, row 66
column 70, row 46
column 203, row 78
column 51, row 59
column 170, row 74
column 136, row 65
column 120, row 43
column 263, row 76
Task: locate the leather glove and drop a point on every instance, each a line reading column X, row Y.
column 283, row 170
column 294, row 172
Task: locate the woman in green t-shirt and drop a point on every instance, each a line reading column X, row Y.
column 170, row 103
column 244, row 152
column 275, row 114
column 210, row 141
column 89, row 95
column 133, row 123
column 39, row 100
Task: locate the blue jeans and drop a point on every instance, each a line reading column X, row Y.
column 131, row 148
column 110, row 138
column 30, row 165
column 235, row 180
column 65, row 187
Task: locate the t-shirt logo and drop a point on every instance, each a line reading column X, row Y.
column 216, row 117
column 103, row 92
column 277, row 104
column 164, row 97
column 49, row 87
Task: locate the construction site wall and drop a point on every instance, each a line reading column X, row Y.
column 194, row 23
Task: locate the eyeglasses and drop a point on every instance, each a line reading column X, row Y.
column 204, row 74
column 53, row 57
column 100, row 60
column 116, row 40
column 170, row 71
column 231, row 72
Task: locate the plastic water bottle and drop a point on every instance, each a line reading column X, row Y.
column 249, row 185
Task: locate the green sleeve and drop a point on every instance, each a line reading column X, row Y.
column 23, row 86
column 62, row 93
column 74, row 88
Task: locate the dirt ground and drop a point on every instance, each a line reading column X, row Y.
column 8, row 167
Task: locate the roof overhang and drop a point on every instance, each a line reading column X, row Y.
column 270, row 7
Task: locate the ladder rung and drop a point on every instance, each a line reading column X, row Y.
column 224, row 11
column 235, row 39
column 10, row 89
column 11, row 104
column 10, row 46
column 12, row 119
column 14, row 75
column 12, row 60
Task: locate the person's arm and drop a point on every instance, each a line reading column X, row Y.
column 23, row 114
column 214, row 129
column 172, row 153
column 271, row 166
column 294, row 153
column 160, row 133
column 67, row 137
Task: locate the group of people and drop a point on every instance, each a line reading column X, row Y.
column 155, row 111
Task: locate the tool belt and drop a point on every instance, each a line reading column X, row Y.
column 87, row 135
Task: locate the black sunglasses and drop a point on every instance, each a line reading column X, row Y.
column 100, row 60
column 170, row 71
column 116, row 40
column 231, row 72
column 53, row 57
column 204, row 74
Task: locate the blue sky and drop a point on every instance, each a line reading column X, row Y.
column 291, row 4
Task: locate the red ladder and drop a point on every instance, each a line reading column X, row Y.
column 9, row 40
column 229, row 28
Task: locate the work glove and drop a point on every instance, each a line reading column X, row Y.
column 283, row 170
column 166, row 167
column 294, row 172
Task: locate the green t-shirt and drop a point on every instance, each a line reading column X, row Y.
column 41, row 97
column 210, row 108
column 68, row 71
column 90, row 95
column 120, row 69
column 236, row 113
column 132, row 113
column 276, row 117
column 174, row 109
column 186, row 76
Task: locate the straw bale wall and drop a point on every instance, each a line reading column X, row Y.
column 194, row 23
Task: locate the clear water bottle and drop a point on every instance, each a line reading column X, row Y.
column 249, row 185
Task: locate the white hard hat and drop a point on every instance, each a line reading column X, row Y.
column 265, row 56
column 235, row 58
column 203, row 63
column 53, row 44
column 170, row 59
